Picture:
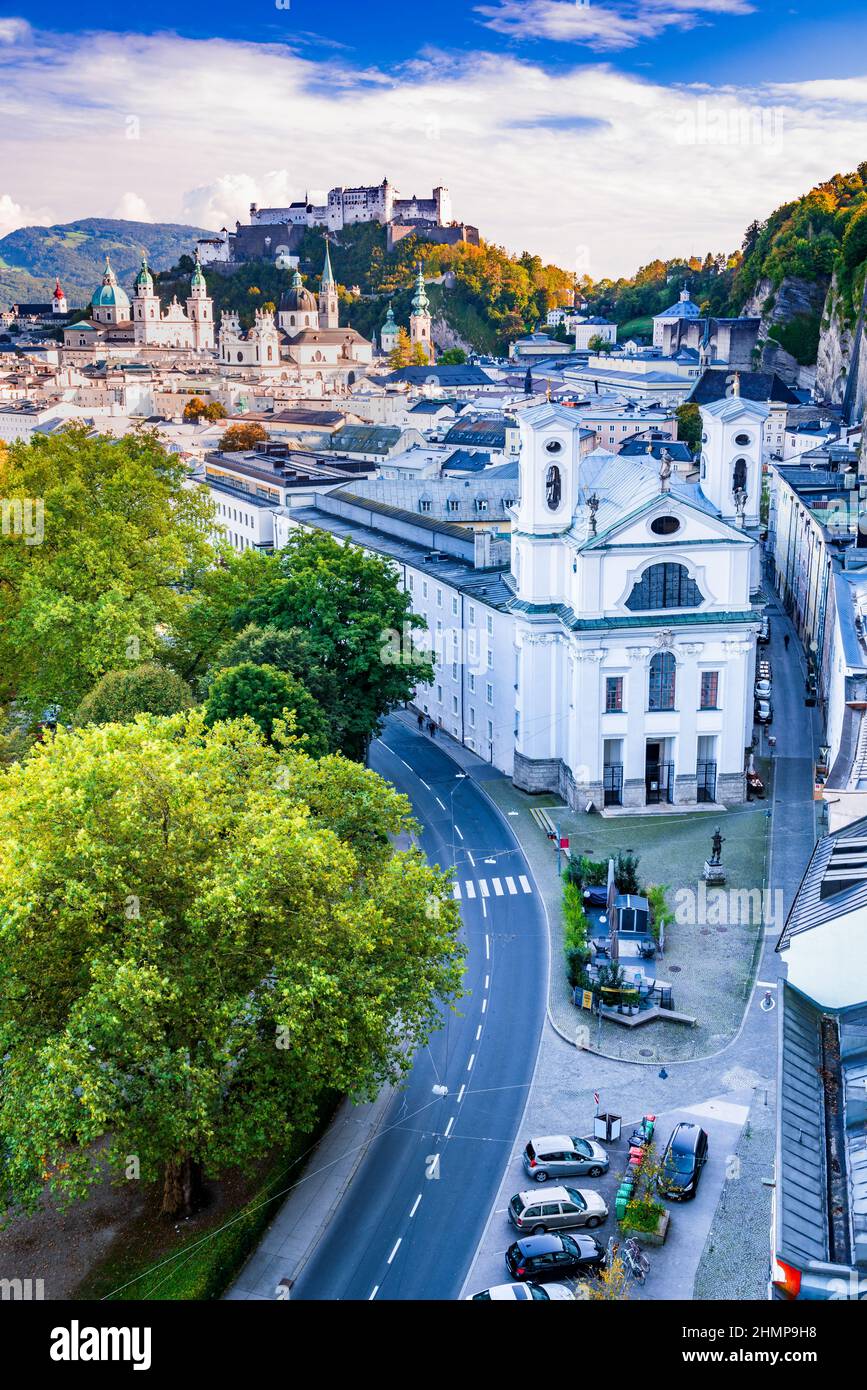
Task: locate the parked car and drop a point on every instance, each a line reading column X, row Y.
column 764, row 711
column 763, row 689
column 559, row 1209
column 682, row 1162
column 522, row 1293
column 551, row 1257
column 764, row 632
column 564, row 1156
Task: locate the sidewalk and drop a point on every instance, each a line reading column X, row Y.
column 303, row 1219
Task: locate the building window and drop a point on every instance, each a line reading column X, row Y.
column 613, row 694
column 472, row 681
column 472, row 717
column 424, row 504
column 472, row 614
column 439, row 598
column 454, row 670
column 424, row 588
column 481, row 504
column 490, row 660
column 454, row 704
column 439, row 694
column 409, row 582
column 709, row 690
column 661, row 684
column 739, row 477
column 489, row 693
column 489, row 624
column 455, row 604
column 490, row 732
column 664, row 586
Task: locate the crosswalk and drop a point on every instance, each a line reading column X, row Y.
column 501, row 888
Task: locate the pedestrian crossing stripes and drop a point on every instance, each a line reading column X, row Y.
column 479, row 887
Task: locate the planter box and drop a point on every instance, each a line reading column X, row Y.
column 656, row 1237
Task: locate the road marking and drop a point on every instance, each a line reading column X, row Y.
column 498, row 887
column 461, row 1094
column 405, row 763
column 524, row 882
column 470, row 1062
column 376, row 1289
column 487, row 947
column 395, row 1250
column 484, row 1006
column 487, row 981
column 448, row 1129
column 424, row 784
column 441, row 803
column 457, row 888
column 510, row 884
column 484, row 908
column 458, row 830
column 483, row 884
column 478, row 1032
column 471, row 888
column 470, row 857
column 415, row 1206
column 765, row 984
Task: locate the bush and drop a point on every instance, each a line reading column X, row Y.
column 661, row 914
column 120, row 695
column 626, row 873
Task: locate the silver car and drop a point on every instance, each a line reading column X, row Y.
column 558, row 1209
column 564, row 1156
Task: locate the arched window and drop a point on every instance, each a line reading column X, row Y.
column 270, row 353
column 661, row 681
column 739, row 475
column 664, row 586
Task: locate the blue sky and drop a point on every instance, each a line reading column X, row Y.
column 599, row 136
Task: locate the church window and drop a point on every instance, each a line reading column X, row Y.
column 240, row 356
column 742, row 440
column 661, row 683
column 664, row 525
column 739, row 475
column 554, row 446
column 613, row 694
column 270, row 354
column 664, row 586
column 709, row 690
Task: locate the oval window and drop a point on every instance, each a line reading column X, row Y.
column 742, row 439
column 553, row 446
column 664, row 525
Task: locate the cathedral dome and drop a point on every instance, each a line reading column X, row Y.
column 110, row 293
column 297, row 298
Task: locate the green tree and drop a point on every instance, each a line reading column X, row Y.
column 218, row 593
column 599, row 344
column 115, row 534
column 689, row 427
column 265, row 694
column 855, row 239
column 358, row 620
column 453, row 357
column 419, row 356
column 200, row 934
column 213, row 411
column 119, row 696
column 402, row 351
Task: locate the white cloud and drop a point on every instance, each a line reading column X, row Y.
column 589, row 166
column 14, row 30
column 13, row 216
column 133, row 209
column 601, row 27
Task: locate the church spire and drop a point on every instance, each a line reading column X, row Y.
column 327, row 272
column 328, row 307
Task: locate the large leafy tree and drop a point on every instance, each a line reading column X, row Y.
column 357, row 621
column 210, row 620
column 87, row 589
column 198, row 933
column 120, row 695
column 265, row 694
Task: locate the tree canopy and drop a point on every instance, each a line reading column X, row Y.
column 119, row 696
column 266, row 694
column 114, row 533
column 198, row 933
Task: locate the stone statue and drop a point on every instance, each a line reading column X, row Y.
column 664, row 470
column 593, row 508
column 717, row 842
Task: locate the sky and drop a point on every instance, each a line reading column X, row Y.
column 598, row 135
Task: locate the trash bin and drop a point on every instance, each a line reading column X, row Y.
column 607, row 1127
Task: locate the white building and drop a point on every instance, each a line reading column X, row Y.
column 685, row 308
column 588, row 329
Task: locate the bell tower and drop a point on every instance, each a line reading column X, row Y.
column 420, row 319
column 731, row 455
column 145, row 305
column 328, row 307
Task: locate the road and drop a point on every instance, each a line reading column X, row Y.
column 411, row 1221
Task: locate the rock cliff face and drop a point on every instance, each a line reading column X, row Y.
column 842, row 351
column 796, row 304
column 444, row 336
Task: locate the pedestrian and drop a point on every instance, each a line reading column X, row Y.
column 432, row 728
column 786, row 640
column 421, row 721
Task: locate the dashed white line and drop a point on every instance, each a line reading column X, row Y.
column 478, row 1032
column 487, row 947
column 483, row 884
column 376, row 1288
column 395, row 1250
column 470, row 1062
column 487, row 981
column 448, row 1128
column 458, row 831
column 524, row 882
column 424, row 784
column 484, row 1006
column 441, row 803
column 510, row 884
column 461, row 1094
column 470, row 857
column 405, row 763
column 484, row 908
column 765, row 984
column 415, row 1206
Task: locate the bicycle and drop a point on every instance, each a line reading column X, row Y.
column 636, row 1261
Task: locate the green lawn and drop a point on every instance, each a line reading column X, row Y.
column 635, row 328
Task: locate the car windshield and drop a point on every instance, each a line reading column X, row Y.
column 576, row 1198
column 539, row 1294
column 516, row 1205
column 680, row 1163
column 583, row 1148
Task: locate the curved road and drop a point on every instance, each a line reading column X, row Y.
column 410, row 1223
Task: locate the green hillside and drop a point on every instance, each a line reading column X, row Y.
column 31, row 257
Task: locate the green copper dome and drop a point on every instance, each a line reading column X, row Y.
column 420, row 301
column 198, row 280
column 110, row 293
column 389, row 318
column 143, row 279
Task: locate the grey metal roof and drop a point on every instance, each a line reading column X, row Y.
column 810, row 909
column 801, row 1176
